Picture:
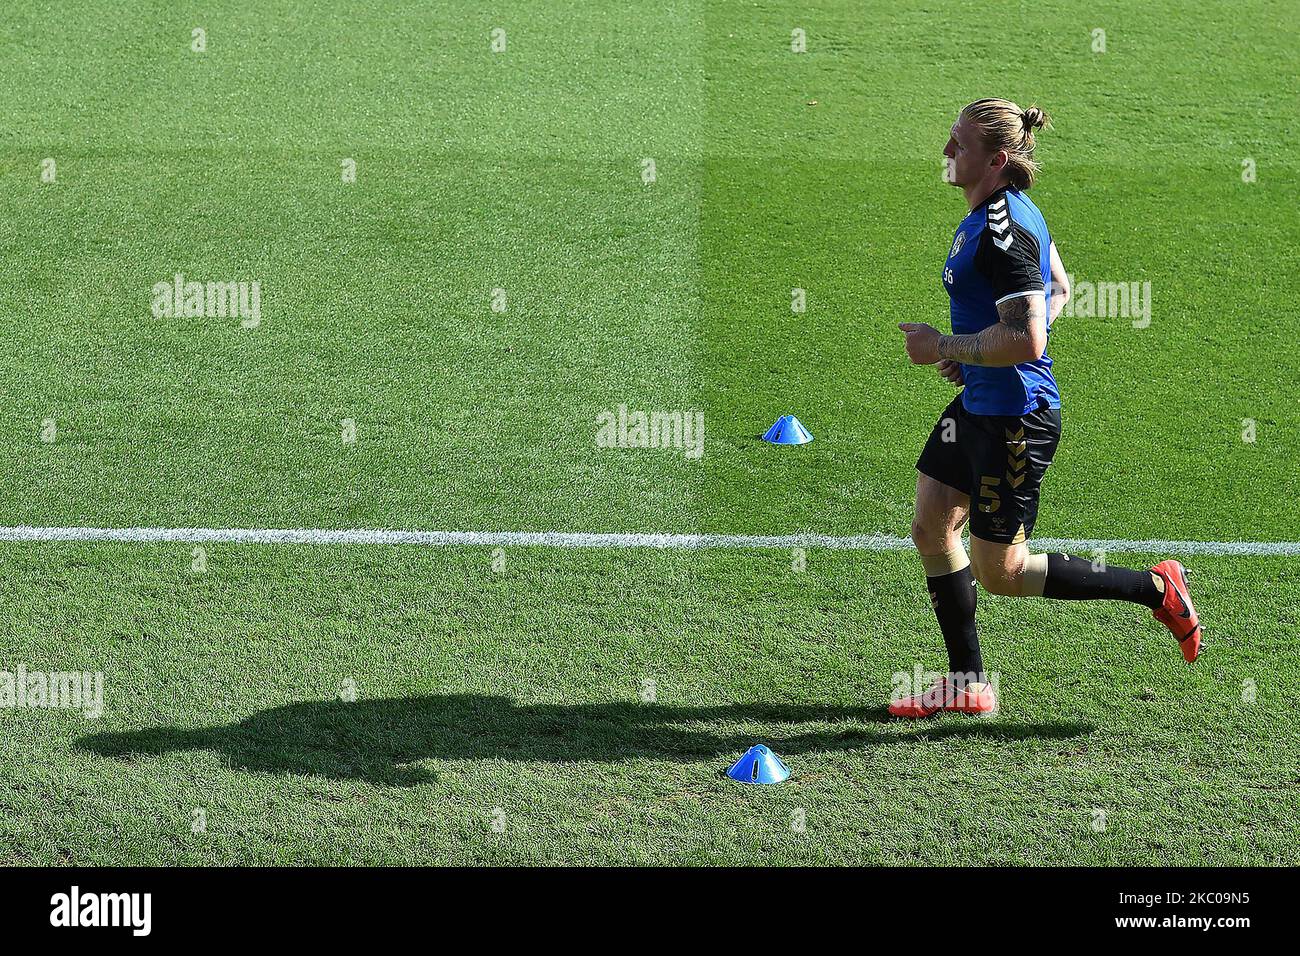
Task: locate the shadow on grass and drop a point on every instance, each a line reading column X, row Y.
column 378, row 740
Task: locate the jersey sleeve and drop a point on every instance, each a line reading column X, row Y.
column 1008, row 256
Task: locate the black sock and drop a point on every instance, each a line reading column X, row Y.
column 1075, row 579
column 953, row 596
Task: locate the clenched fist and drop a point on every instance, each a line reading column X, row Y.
column 922, row 342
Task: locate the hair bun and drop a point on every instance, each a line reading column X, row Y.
column 1033, row 118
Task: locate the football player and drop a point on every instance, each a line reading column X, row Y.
column 986, row 456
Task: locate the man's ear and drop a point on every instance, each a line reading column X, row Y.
column 1000, row 159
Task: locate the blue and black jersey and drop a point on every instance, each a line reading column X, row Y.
column 1001, row 250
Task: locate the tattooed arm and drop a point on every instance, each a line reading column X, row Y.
column 1020, row 335
column 1012, row 267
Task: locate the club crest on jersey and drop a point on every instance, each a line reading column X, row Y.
column 957, row 244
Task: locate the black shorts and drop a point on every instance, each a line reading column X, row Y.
column 999, row 461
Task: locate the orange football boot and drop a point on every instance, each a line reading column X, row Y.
column 943, row 696
column 1177, row 613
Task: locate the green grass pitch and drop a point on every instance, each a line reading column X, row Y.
column 499, row 713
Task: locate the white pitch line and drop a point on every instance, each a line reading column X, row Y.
column 567, row 539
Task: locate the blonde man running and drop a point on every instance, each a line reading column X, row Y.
column 987, row 454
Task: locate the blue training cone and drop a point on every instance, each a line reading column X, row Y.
column 787, row 430
column 759, row 765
